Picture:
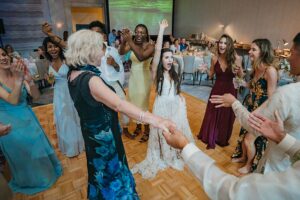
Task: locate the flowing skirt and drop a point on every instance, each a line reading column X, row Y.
column 159, row 154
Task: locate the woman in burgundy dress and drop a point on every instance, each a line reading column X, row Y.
column 218, row 122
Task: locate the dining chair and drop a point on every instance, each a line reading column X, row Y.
column 189, row 68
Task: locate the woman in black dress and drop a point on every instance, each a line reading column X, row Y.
column 108, row 174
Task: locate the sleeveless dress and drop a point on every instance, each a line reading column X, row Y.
column 139, row 85
column 30, row 156
column 108, row 174
column 70, row 140
column 258, row 95
column 160, row 155
column 218, row 122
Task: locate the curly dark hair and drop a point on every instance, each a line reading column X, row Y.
column 48, row 56
column 145, row 27
column 99, row 25
column 175, row 76
column 230, row 52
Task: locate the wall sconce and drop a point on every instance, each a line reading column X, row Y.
column 59, row 25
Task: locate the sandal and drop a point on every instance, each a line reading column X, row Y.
column 138, row 130
column 144, row 138
column 127, row 134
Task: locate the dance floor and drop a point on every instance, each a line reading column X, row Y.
column 168, row 184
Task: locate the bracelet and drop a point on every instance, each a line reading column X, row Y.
column 141, row 117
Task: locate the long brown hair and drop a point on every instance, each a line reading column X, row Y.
column 266, row 53
column 230, row 52
column 172, row 72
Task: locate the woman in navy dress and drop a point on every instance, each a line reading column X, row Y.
column 218, row 122
column 97, row 104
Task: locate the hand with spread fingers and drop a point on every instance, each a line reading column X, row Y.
column 273, row 130
column 46, row 28
column 163, row 24
column 18, row 69
column 225, row 100
column 126, row 35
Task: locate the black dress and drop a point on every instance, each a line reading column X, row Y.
column 108, row 174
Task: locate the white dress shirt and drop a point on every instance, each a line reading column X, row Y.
column 108, row 72
column 286, row 100
column 220, row 185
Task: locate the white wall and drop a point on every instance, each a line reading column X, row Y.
column 244, row 20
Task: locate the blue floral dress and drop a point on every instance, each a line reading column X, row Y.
column 108, row 174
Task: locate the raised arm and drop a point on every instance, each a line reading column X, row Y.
column 47, row 29
column 102, row 93
column 124, row 47
column 162, row 25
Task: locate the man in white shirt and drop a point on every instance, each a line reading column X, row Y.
column 220, row 185
column 285, row 100
column 112, row 70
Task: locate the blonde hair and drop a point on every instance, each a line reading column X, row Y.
column 84, row 47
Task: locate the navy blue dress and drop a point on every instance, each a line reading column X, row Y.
column 108, row 174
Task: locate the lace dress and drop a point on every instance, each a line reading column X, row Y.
column 160, row 155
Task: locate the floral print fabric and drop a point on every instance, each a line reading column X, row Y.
column 258, row 95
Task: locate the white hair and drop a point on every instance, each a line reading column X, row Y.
column 84, row 47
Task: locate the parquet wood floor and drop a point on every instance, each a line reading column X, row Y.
column 168, row 184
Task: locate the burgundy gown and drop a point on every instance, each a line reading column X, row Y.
column 218, row 122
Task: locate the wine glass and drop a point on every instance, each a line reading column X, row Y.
column 51, row 79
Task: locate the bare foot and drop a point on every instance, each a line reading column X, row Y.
column 244, row 170
column 238, row 160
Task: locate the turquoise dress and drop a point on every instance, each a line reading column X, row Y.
column 32, row 161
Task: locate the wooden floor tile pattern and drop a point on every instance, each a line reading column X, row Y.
column 168, row 184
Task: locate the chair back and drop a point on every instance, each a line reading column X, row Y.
column 207, row 60
column 42, row 67
column 188, row 62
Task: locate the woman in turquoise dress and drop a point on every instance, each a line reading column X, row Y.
column 32, row 160
column 262, row 85
column 70, row 140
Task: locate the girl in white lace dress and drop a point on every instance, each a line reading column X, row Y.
column 168, row 104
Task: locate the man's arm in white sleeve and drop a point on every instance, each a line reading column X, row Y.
column 220, row 185
column 268, row 110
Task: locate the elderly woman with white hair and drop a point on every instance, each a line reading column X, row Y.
column 97, row 104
